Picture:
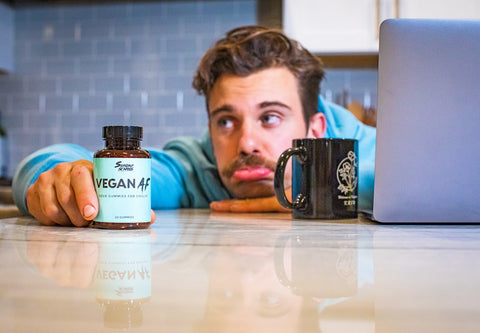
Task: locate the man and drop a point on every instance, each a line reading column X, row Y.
column 261, row 90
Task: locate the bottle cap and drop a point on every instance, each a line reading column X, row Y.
column 131, row 132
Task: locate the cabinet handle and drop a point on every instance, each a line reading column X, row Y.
column 378, row 14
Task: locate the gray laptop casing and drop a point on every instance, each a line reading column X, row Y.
column 427, row 166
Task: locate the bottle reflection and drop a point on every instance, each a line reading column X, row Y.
column 123, row 281
column 116, row 264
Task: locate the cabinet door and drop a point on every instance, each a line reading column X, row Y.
column 447, row 9
column 332, row 26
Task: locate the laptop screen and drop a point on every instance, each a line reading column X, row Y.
column 427, row 166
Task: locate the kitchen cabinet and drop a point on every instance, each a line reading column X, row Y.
column 449, row 9
column 346, row 26
column 6, row 38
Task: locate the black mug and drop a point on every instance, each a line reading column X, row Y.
column 324, row 178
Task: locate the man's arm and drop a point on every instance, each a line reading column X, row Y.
column 42, row 160
column 55, row 185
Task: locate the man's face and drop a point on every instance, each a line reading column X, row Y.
column 252, row 120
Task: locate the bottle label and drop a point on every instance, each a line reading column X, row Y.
column 124, row 269
column 123, row 189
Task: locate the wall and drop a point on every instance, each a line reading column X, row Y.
column 80, row 67
column 6, row 37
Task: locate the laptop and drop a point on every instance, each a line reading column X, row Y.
column 427, row 167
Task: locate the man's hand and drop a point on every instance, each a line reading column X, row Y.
column 255, row 205
column 64, row 195
column 68, row 262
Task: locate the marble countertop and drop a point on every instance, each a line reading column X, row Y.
column 196, row 271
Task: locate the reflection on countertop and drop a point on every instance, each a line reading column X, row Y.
column 7, row 207
column 194, row 271
column 6, row 196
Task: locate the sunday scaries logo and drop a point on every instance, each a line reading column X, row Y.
column 120, row 166
column 347, row 176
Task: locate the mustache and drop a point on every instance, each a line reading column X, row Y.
column 248, row 160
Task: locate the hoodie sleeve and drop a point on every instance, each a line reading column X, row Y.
column 42, row 160
column 184, row 172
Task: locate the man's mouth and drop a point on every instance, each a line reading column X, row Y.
column 249, row 173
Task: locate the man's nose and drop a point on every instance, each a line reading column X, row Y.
column 249, row 140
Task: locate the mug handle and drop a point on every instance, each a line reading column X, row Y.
column 279, row 262
column 278, row 184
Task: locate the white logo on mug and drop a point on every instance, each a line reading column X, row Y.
column 347, row 177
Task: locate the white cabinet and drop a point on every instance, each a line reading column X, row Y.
column 330, row 26
column 6, row 38
column 351, row 26
column 449, row 9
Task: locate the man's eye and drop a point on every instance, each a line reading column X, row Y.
column 225, row 123
column 270, row 119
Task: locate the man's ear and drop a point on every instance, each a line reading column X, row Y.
column 317, row 126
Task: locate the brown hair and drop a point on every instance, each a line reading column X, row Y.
column 247, row 50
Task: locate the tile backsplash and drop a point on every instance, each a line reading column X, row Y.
column 80, row 67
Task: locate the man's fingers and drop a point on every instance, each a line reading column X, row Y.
column 84, row 190
column 83, row 266
column 51, row 210
column 153, row 217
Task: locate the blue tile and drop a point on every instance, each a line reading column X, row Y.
column 175, row 82
column 60, row 67
column 41, row 85
column 218, row 8
column 142, row 82
column 94, row 29
column 130, row 102
column 162, row 101
column 11, row 84
column 146, row 10
column 98, row 66
column 111, row 47
column 182, row 45
column 147, row 46
column 77, row 49
column 58, row 103
column 130, row 28
column 182, row 8
column 75, row 84
column 23, row 103
column 109, row 11
column 97, row 102
column 44, row 49
column 76, row 13
column 43, row 121
column 35, row 67
column 109, row 84
column 77, row 120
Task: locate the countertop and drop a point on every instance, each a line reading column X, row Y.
column 196, row 271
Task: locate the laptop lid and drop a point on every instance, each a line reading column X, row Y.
column 427, row 166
